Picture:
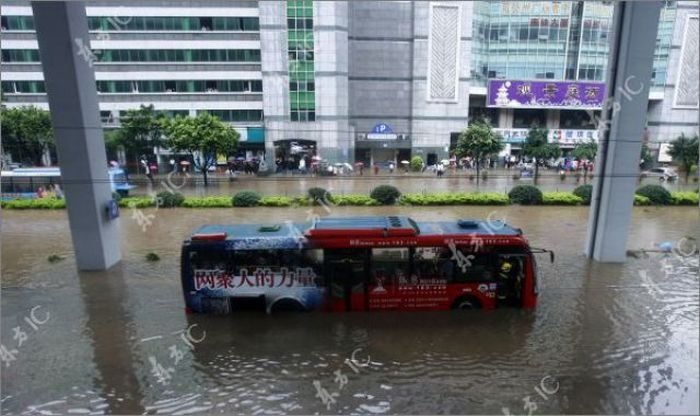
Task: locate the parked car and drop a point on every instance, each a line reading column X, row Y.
column 664, row 174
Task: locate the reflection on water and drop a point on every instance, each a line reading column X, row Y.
column 617, row 338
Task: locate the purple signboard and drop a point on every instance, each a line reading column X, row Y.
column 545, row 94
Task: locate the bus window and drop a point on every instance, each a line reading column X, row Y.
column 479, row 267
column 7, row 186
column 208, row 260
column 390, row 266
column 433, row 262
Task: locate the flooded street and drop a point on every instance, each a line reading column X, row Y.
column 603, row 339
column 499, row 180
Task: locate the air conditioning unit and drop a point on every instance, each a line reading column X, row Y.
column 361, row 136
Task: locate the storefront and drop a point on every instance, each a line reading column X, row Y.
column 382, row 146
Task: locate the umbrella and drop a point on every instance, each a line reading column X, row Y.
column 240, row 158
column 359, row 164
column 184, row 162
column 316, row 158
column 114, row 163
column 445, row 161
column 405, row 162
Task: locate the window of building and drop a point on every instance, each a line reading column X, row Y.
column 578, row 119
column 526, row 118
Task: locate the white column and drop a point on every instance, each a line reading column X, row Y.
column 62, row 30
column 629, row 74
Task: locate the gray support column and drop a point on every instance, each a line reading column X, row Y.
column 64, row 42
column 629, row 76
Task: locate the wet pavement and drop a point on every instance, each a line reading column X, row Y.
column 604, row 338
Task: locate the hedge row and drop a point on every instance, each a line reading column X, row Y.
column 524, row 194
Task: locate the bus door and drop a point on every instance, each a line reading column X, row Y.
column 511, row 269
column 346, row 278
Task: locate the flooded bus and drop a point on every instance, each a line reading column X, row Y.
column 24, row 183
column 359, row 264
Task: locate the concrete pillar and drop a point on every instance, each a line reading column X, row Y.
column 629, row 74
column 64, row 42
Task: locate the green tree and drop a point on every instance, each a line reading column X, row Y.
column 645, row 157
column 585, row 151
column 112, row 143
column 684, row 151
column 478, row 141
column 26, row 133
column 141, row 130
column 536, row 146
column 202, row 137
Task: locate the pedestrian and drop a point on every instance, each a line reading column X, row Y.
column 391, row 167
column 57, row 191
column 173, row 165
column 302, row 166
column 376, row 169
column 40, row 193
column 362, row 169
column 149, row 175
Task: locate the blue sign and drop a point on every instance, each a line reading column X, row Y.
column 112, row 209
column 382, row 128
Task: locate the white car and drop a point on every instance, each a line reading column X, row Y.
column 664, row 174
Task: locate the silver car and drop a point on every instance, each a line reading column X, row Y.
column 664, row 174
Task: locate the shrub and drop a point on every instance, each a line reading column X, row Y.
column 685, row 198
column 136, row 202
column 152, row 257
column 463, row 198
column 584, row 192
column 657, row 194
column 207, row 202
column 56, row 258
column 275, row 201
column 385, row 194
column 561, row 198
column 416, row 163
column 641, row 200
column 41, row 203
column 319, row 195
column 525, row 195
column 354, row 200
column 246, row 199
column 169, row 199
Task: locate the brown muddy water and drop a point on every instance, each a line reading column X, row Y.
column 604, row 338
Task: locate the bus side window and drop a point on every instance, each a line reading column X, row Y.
column 391, row 265
column 432, row 263
column 475, row 267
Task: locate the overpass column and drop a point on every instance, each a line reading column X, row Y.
column 64, row 46
column 624, row 116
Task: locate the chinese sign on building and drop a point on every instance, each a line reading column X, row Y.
column 545, row 94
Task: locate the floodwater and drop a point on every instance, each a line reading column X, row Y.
column 499, row 180
column 604, row 338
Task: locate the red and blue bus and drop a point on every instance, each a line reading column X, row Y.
column 359, row 264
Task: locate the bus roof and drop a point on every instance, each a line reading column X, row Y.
column 290, row 235
column 45, row 172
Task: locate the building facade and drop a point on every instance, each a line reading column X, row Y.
column 366, row 81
